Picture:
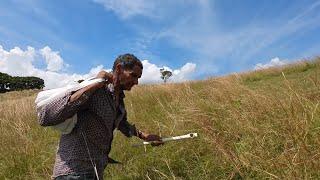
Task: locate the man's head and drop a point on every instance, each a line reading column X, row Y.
column 128, row 69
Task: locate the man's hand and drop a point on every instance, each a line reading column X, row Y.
column 104, row 75
column 155, row 139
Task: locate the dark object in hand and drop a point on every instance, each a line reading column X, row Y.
column 155, row 139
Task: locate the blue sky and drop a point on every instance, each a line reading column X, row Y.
column 195, row 39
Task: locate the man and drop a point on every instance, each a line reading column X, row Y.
column 100, row 109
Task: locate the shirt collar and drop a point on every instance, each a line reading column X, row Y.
column 111, row 89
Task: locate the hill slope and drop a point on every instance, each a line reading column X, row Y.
column 263, row 124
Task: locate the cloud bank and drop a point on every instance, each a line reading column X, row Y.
column 18, row 62
column 151, row 72
column 272, row 63
column 198, row 27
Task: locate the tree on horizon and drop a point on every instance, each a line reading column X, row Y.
column 165, row 74
column 14, row 83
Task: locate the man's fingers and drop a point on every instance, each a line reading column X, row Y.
column 153, row 137
column 105, row 75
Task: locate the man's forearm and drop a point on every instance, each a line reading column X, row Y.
column 86, row 91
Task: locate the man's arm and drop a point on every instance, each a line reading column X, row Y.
column 126, row 128
column 88, row 90
column 63, row 108
column 130, row 130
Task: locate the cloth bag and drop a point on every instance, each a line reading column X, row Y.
column 47, row 96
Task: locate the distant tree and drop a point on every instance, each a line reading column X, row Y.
column 165, row 74
column 9, row 83
column 4, row 82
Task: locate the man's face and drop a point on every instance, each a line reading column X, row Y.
column 129, row 78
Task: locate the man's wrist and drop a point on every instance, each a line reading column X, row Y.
column 140, row 134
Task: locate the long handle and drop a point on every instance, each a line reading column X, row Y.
column 175, row 138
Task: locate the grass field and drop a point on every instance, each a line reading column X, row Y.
column 255, row 125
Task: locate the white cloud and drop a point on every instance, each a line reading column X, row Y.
column 18, row 62
column 200, row 32
column 128, row 8
column 53, row 59
column 184, row 73
column 272, row 63
column 151, row 73
column 200, row 35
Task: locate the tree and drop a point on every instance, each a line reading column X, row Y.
column 4, row 82
column 165, row 74
column 9, row 83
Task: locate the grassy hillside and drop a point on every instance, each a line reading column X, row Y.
column 257, row 125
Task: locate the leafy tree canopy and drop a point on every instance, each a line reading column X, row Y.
column 14, row 83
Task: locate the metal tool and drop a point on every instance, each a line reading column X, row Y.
column 175, row 138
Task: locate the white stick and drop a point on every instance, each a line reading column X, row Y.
column 187, row 136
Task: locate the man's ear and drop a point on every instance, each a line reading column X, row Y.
column 118, row 68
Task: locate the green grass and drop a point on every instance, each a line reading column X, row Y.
column 256, row 125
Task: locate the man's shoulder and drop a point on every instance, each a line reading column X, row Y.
column 100, row 94
column 102, row 103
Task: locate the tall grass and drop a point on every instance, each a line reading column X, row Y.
column 256, row 125
column 26, row 149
